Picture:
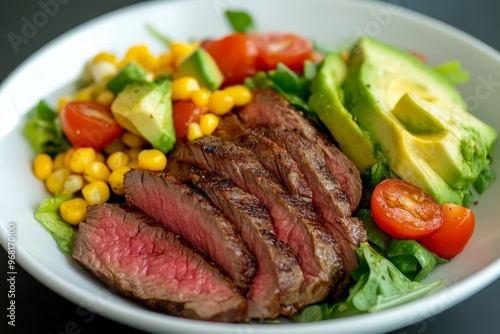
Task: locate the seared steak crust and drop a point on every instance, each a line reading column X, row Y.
column 140, row 259
column 186, row 212
column 276, row 285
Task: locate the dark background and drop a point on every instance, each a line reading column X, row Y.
column 39, row 310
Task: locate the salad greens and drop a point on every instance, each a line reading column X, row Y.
column 240, row 21
column 452, row 71
column 48, row 215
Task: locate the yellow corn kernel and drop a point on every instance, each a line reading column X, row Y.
column 84, row 95
column 152, row 159
column 67, row 157
column 100, row 157
column 134, row 163
column 96, row 192
column 43, row 166
column 61, row 103
column 132, row 140
column 183, row 87
column 133, row 153
column 164, row 64
column 116, row 180
column 96, row 170
column 115, row 146
column 73, row 211
column 117, row 160
column 208, row 123
column 194, row 131
column 105, row 56
column 105, row 97
column 240, row 93
column 81, row 158
column 220, row 102
column 73, row 183
column 55, row 182
column 200, row 97
column 180, row 51
column 141, row 55
column 59, row 160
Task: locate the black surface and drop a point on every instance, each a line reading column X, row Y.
column 39, row 310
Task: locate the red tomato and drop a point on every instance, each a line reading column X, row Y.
column 450, row 239
column 404, row 210
column 89, row 124
column 236, row 56
column 289, row 49
column 184, row 113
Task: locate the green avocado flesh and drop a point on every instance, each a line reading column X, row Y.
column 201, row 66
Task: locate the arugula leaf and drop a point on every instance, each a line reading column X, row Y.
column 48, row 215
column 411, row 258
column 240, row 21
column 485, row 179
column 453, row 72
column 378, row 173
column 376, row 236
column 158, row 35
column 43, row 130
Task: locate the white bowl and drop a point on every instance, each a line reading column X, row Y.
column 50, row 70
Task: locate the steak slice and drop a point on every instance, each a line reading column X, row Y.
column 275, row 287
column 269, row 107
column 186, row 212
column 271, row 156
column 140, row 259
column 328, row 197
column 295, row 222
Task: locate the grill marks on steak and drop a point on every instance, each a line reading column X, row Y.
column 270, row 108
column 271, row 156
column 186, row 212
column 140, row 259
column 328, row 197
column 294, row 220
column 275, row 287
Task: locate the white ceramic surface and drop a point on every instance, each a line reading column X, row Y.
column 331, row 22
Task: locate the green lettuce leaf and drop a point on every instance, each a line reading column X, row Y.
column 411, row 258
column 452, row 71
column 240, row 21
column 48, row 215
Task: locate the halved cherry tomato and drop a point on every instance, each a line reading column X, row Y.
column 184, row 113
column 450, row 239
column 290, row 49
column 89, row 124
column 404, row 210
column 236, row 56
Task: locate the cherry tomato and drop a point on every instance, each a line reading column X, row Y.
column 184, row 113
column 404, row 210
column 290, row 49
column 450, row 239
column 89, row 124
column 236, row 56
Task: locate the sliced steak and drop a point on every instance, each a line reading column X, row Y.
column 271, row 156
column 295, row 222
column 186, row 212
column 328, row 197
column 269, row 107
column 140, row 259
column 276, row 285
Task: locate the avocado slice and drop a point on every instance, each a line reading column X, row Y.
column 326, row 102
column 145, row 108
column 132, row 72
column 418, row 118
column 201, row 66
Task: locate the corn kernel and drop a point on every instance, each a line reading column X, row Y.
column 96, row 170
column 55, row 182
column 43, row 166
column 241, row 94
column 132, row 140
column 96, row 192
column 220, row 102
column 200, row 97
column 152, row 159
column 73, row 183
column 134, row 163
column 116, row 180
column 183, row 87
column 73, row 211
column 180, row 51
column 100, row 157
column 194, row 131
column 208, row 123
column 117, row 160
column 164, row 64
column 61, row 103
column 81, row 158
column 115, row 146
column 133, row 153
column 141, row 55
column 105, row 97
column 105, row 56
column 102, row 71
column 67, row 157
column 84, row 95
column 59, row 160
